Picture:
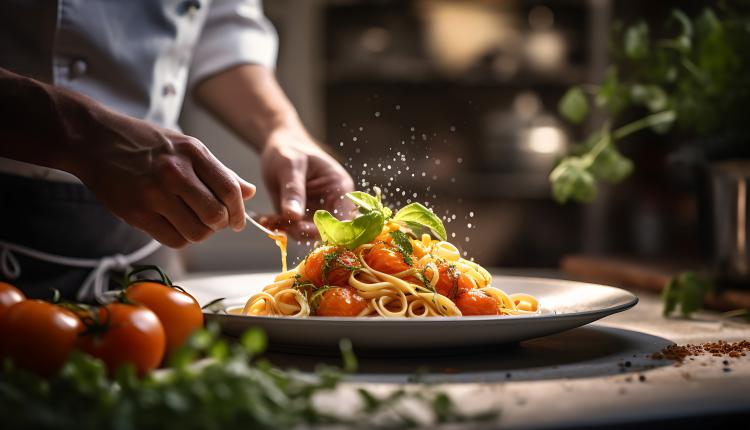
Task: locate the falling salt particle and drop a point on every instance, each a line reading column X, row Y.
column 408, row 200
column 343, row 124
column 453, row 128
column 407, row 167
column 398, row 107
column 468, row 225
column 424, row 136
column 424, row 174
column 459, row 160
column 467, row 239
column 453, row 234
column 354, row 139
column 471, row 214
column 434, row 177
column 453, row 216
column 377, row 114
column 364, row 164
column 437, row 161
column 335, row 211
column 364, row 172
column 361, row 128
column 414, row 195
column 411, row 129
column 341, row 143
column 356, row 151
column 453, row 179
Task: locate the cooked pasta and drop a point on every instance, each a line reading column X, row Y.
column 394, row 274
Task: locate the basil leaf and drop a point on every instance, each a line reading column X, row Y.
column 364, row 200
column 420, row 215
column 349, row 234
column 367, row 203
column 687, row 290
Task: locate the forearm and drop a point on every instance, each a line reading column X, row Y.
column 43, row 124
column 248, row 100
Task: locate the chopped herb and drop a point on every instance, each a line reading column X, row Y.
column 328, row 263
column 401, row 240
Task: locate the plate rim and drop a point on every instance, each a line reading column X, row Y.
column 631, row 301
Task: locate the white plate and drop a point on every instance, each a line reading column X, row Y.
column 565, row 305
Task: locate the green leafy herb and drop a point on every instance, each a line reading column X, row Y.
column 373, row 216
column 687, row 291
column 574, row 106
column 329, row 260
column 401, row 240
column 316, row 296
column 417, row 215
column 694, row 79
column 367, row 203
column 349, row 234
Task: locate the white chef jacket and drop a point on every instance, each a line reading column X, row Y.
column 138, row 57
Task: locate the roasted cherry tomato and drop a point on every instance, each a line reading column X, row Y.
column 451, row 282
column 329, row 265
column 124, row 333
column 179, row 313
column 9, row 296
column 340, row 302
column 38, row 335
column 386, row 258
column 475, row 302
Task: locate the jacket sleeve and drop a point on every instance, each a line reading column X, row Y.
column 235, row 32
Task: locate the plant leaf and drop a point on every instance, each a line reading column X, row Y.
column 573, row 105
column 636, row 41
column 349, row 234
column 367, row 203
column 571, row 180
column 422, row 216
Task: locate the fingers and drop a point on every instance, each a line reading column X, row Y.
column 201, row 200
column 161, row 230
column 225, row 185
column 247, row 189
column 292, row 193
column 183, row 219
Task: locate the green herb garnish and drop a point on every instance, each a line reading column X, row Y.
column 688, row 291
column 401, row 240
column 373, row 216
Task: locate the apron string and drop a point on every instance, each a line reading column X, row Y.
column 96, row 283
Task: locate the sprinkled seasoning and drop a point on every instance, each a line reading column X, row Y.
column 679, row 353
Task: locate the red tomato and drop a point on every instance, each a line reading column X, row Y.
column 9, row 296
column 451, row 282
column 340, row 302
column 38, row 335
column 178, row 311
column 386, row 258
column 126, row 334
column 475, row 302
column 339, row 269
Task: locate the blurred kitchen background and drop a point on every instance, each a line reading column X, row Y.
column 453, row 103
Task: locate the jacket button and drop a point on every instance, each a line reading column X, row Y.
column 77, row 68
column 169, row 90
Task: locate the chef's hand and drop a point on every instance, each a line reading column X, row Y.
column 302, row 178
column 161, row 181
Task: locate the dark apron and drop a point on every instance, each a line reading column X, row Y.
column 65, row 219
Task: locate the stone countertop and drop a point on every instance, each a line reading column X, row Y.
column 597, row 375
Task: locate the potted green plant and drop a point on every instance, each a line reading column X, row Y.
column 693, row 77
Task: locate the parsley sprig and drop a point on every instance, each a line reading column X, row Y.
column 236, row 388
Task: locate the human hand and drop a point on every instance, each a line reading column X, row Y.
column 161, row 181
column 302, row 178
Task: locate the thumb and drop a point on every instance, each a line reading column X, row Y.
column 247, row 189
column 292, row 192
